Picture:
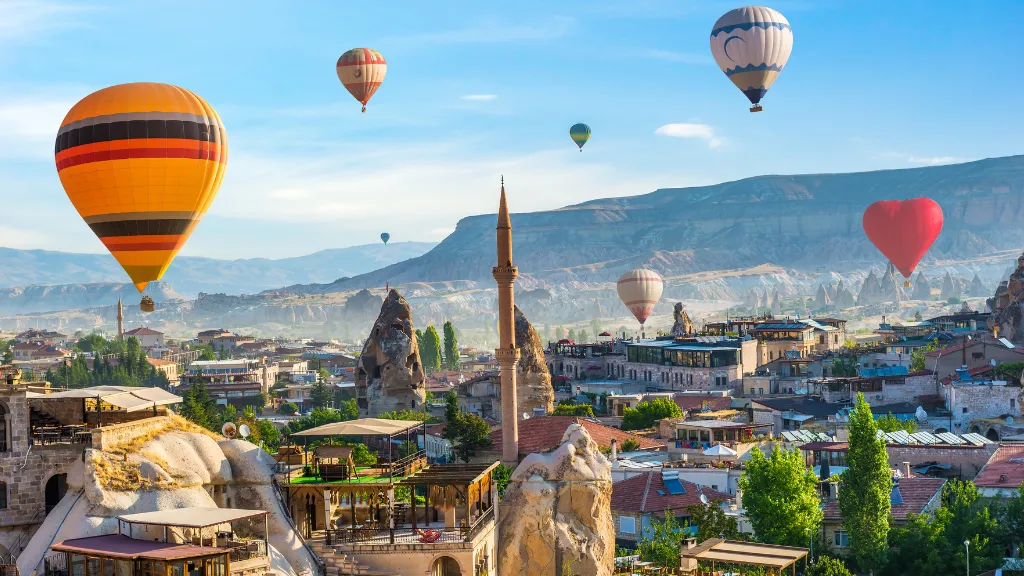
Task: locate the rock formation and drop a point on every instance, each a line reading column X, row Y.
column 389, row 375
column 869, row 291
column 753, row 301
column 844, row 298
column 922, row 289
column 832, row 292
column 949, row 288
column 557, row 511
column 879, row 291
column 181, row 467
column 533, row 380
column 682, row 325
column 821, row 299
column 776, row 303
column 1008, row 306
column 977, row 289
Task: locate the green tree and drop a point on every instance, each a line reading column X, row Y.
column 430, row 350
column 288, row 408
column 780, row 495
column 568, row 409
column 712, row 522
column 630, row 445
column 362, row 455
column 843, row 366
column 559, row 333
column 662, row 541
column 206, row 352
column 321, row 395
column 647, row 414
column 502, row 474
column 410, row 415
column 890, row 423
column 572, row 334
column 467, row 432
column 864, row 499
column 584, row 337
column 917, row 357
column 1012, row 521
column 451, row 347
column 199, row 407
column 349, row 410
column 827, row 566
column 92, row 343
column 8, row 354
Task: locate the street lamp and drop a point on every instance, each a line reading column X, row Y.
column 967, row 543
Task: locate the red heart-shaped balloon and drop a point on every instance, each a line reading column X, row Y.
column 903, row 230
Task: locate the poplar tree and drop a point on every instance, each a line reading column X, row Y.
column 864, row 499
column 451, row 347
column 430, row 352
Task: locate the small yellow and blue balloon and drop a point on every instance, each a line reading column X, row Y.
column 385, row 237
column 580, row 133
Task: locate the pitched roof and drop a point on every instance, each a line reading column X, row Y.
column 916, row 493
column 143, row 331
column 544, row 433
column 646, row 492
column 1005, row 469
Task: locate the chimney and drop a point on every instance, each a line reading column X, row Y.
column 906, row 469
column 615, row 451
column 689, row 543
column 833, row 490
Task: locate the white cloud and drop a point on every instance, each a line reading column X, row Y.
column 692, row 131
column 493, row 32
column 923, row 160
column 30, row 125
column 670, row 56
column 23, row 238
column 25, row 19
column 479, row 97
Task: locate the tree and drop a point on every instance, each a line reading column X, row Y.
column 584, row 337
column 349, row 410
column 646, row 414
column 451, row 347
column 199, row 407
column 780, row 495
column 321, row 394
column 559, row 333
column 206, row 352
column 567, row 409
column 842, row 366
column 864, row 500
column 1013, row 518
column 827, row 566
column 572, row 335
column 662, row 542
column 430, row 350
column 502, row 474
column 467, row 432
column 288, row 408
column 92, row 343
column 410, row 415
column 712, row 522
column 630, row 445
column 917, row 357
column 890, row 423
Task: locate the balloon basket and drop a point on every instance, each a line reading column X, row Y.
column 147, row 304
column 756, row 108
column 906, row 283
column 364, row 108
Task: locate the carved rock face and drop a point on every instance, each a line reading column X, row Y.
column 533, row 380
column 682, row 325
column 389, row 375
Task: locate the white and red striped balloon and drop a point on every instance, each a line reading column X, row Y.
column 640, row 290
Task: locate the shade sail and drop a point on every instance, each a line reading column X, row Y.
column 719, row 450
column 195, row 517
column 361, row 427
column 125, row 397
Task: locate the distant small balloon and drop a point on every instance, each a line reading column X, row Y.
column 385, row 237
column 580, row 133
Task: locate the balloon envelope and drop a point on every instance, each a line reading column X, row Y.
column 640, row 290
column 579, row 133
column 385, row 237
column 361, row 71
column 141, row 163
column 903, row 230
column 751, row 45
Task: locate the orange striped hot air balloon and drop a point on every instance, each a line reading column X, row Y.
column 361, row 71
column 141, row 163
column 640, row 290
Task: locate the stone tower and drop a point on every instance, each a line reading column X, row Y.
column 507, row 354
column 120, row 319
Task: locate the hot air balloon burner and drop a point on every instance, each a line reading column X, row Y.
column 756, row 108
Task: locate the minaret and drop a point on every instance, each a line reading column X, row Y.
column 120, row 319
column 507, row 354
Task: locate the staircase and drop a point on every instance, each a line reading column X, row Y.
column 338, row 563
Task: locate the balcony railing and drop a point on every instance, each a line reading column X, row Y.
column 405, row 535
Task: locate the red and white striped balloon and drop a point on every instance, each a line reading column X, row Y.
column 640, row 290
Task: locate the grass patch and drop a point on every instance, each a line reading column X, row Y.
column 176, row 424
column 360, row 480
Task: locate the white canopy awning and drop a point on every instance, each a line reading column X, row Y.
column 361, row 427
column 719, row 450
column 125, row 397
column 196, row 517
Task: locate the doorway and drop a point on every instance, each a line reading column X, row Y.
column 56, row 487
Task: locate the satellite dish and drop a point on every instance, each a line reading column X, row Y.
column 921, row 415
column 992, row 362
column 526, row 416
column 1009, row 420
column 229, row 430
column 243, row 431
column 703, row 499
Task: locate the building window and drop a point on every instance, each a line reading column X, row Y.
column 760, row 391
column 841, row 539
column 1013, row 403
column 627, row 525
column 3, row 496
column 964, row 410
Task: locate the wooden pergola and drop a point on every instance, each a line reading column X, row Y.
column 776, row 559
column 449, row 481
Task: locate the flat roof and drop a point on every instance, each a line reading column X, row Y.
column 362, row 427
column 718, row 550
column 719, row 424
column 120, row 546
column 195, row 517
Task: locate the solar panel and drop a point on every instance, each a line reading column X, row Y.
column 925, row 438
column 822, row 437
column 807, row 436
column 788, row 436
column 951, row 439
column 976, row 439
column 674, row 486
column 661, row 492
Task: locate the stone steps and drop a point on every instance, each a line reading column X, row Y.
column 339, row 563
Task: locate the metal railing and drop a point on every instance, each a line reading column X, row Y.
column 404, row 535
column 247, row 549
column 408, row 465
column 56, row 564
column 480, row 522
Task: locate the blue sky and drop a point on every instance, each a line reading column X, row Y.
column 475, row 90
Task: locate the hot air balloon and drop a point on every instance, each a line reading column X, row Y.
column 580, row 133
column 385, row 237
column 361, row 71
column 640, row 290
column 751, row 45
column 903, row 230
column 141, row 163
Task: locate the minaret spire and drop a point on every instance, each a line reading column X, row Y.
column 120, row 319
column 507, row 354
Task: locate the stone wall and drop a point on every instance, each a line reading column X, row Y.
column 68, row 411
column 966, row 461
column 677, row 377
column 972, row 402
column 912, row 388
column 421, row 558
column 25, row 478
column 108, row 436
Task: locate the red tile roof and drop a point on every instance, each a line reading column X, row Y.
column 143, row 331
column 544, row 433
column 916, row 493
column 692, row 402
column 639, row 494
column 972, row 371
column 1005, row 469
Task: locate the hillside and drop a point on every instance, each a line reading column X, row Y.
column 191, row 275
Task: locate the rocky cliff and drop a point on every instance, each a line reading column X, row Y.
column 389, row 375
column 1008, row 306
column 557, row 512
column 533, row 380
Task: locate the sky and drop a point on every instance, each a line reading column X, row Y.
column 479, row 90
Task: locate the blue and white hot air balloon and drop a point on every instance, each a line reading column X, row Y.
column 385, row 237
column 751, row 45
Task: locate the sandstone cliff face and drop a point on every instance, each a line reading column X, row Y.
column 559, row 511
column 533, row 380
column 1008, row 306
column 389, row 375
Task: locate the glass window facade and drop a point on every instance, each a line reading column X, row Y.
column 692, row 358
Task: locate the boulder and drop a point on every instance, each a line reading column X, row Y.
column 556, row 512
column 533, row 380
column 682, row 325
column 389, row 374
